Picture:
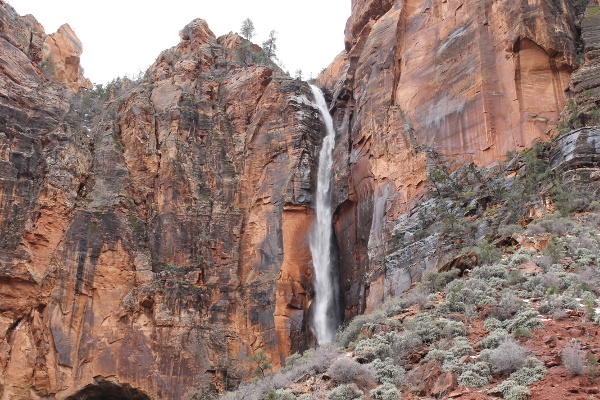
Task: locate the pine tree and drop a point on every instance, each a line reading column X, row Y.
column 263, row 364
column 247, row 29
column 270, row 46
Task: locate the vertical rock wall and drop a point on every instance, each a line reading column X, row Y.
column 161, row 245
column 470, row 79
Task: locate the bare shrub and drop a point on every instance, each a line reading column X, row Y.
column 559, row 313
column 535, row 229
column 508, row 357
column 405, row 343
column 550, row 278
column 573, row 358
column 347, row 370
column 507, row 307
column 418, row 297
column 544, row 262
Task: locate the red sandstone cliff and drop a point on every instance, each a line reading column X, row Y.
column 160, row 243
column 471, row 79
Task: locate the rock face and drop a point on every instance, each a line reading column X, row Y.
column 470, row 80
column 153, row 244
column 577, row 154
column 61, row 55
column 155, row 248
column 582, row 109
column 56, row 55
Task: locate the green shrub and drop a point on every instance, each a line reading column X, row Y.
column 345, row 392
column 450, row 328
column 441, row 355
column 533, row 285
column 513, row 391
column 525, row 318
column 387, row 371
column 592, row 364
column 395, row 306
column 279, row 394
column 424, row 326
column 522, row 333
column 307, row 396
column 550, row 304
column 480, row 292
column 493, row 339
column 487, row 253
column 494, row 276
column 434, row 281
column 554, row 251
column 461, row 347
column 379, row 346
column 475, row 375
column 519, row 257
column 532, row 371
column 405, row 343
column 491, row 324
column 387, row 391
column 350, row 333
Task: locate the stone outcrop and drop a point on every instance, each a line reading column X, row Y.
column 155, row 247
column 468, row 80
column 576, row 155
column 57, row 56
column 61, row 56
column 584, row 88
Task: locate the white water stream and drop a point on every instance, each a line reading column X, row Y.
column 325, row 320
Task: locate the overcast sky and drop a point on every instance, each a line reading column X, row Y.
column 123, row 37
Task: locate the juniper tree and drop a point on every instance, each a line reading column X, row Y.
column 247, row 29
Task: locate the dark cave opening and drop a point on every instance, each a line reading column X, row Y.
column 105, row 390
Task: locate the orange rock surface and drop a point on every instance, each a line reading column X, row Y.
column 62, row 51
column 470, row 79
column 161, row 245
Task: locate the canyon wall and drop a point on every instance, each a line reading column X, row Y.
column 153, row 233
column 159, row 244
column 468, row 80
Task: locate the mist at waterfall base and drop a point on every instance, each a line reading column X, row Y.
column 326, row 311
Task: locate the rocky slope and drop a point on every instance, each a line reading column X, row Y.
column 516, row 316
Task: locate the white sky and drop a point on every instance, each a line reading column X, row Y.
column 124, row 37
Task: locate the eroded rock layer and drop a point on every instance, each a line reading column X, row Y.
column 161, row 243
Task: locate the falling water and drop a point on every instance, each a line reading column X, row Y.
column 325, row 315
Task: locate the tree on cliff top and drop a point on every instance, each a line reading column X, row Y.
column 247, row 29
column 270, row 46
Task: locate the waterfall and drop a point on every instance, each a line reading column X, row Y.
column 325, row 312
